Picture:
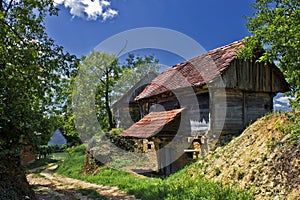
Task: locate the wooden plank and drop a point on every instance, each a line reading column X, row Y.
column 230, row 77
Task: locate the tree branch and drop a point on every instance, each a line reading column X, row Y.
column 1, row 6
column 102, row 81
column 12, row 29
column 123, row 49
column 8, row 7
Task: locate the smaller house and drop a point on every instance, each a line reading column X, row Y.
column 57, row 138
column 126, row 109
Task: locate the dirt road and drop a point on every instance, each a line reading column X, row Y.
column 50, row 186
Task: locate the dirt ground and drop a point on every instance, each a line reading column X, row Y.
column 50, row 186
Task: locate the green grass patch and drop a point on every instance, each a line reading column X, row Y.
column 59, row 156
column 53, row 158
column 178, row 186
column 41, row 162
column 91, row 194
column 293, row 127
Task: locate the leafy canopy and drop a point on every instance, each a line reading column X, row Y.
column 275, row 26
column 33, row 71
column 133, row 70
column 102, row 80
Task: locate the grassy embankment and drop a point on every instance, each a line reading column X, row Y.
column 177, row 186
column 265, row 160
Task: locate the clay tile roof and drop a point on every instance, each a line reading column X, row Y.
column 151, row 124
column 195, row 72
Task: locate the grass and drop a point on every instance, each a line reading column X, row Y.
column 59, row 156
column 53, row 158
column 91, row 194
column 178, row 186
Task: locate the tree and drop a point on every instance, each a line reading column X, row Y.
column 69, row 130
column 68, row 125
column 33, row 73
column 275, row 27
column 112, row 80
column 107, row 71
column 133, row 69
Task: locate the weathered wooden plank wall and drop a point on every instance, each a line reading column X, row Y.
column 251, row 76
column 248, row 88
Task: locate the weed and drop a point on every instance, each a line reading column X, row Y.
column 216, row 155
column 240, row 175
column 217, row 171
column 271, row 144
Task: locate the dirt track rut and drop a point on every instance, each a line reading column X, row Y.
column 50, row 186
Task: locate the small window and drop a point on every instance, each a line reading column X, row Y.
column 149, row 146
column 190, row 155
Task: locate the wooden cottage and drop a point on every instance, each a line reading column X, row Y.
column 126, row 110
column 210, row 98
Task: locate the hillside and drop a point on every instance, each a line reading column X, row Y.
column 264, row 159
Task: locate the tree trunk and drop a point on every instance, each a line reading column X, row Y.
column 13, row 182
column 109, row 113
column 107, row 104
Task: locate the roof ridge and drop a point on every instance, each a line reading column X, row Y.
column 235, row 43
column 217, row 59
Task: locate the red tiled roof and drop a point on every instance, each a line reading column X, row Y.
column 151, row 124
column 195, row 72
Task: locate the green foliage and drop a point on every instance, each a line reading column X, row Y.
column 105, row 71
column 68, row 125
column 178, row 186
column 69, row 130
column 116, row 131
column 33, row 72
column 101, row 81
column 133, row 70
column 73, row 164
column 91, row 194
column 275, row 27
column 293, row 127
column 79, row 150
column 217, row 171
column 290, row 127
column 53, row 158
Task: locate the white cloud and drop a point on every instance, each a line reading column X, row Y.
column 105, row 3
column 285, row 100
column 89, row 9
column 109, row 13
column 278, row 106
column 282, row 103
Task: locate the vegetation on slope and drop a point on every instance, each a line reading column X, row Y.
column 177, row 186
column 265, row 159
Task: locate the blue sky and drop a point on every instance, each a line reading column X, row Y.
column 211, row 23
column 83, row 24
